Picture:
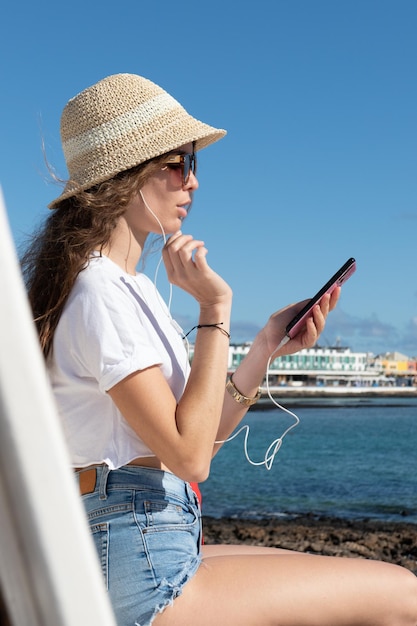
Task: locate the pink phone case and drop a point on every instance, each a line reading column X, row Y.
column 337, row 280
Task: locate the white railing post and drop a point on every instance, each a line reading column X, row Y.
column 49, row 572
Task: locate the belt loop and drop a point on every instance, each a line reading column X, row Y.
column 105, row 470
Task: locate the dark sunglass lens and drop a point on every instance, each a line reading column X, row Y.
column 186, row 168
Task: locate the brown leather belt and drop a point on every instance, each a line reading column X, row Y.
column 87, row 480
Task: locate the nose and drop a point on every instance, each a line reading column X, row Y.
column 192, row 182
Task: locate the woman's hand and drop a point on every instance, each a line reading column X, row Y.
column 251, row 371
column 187, row 267
column 274, row 330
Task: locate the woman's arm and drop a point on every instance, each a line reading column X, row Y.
column 251, row 372
column 182, row 435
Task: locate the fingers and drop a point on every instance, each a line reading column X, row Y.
column 316, row 323
column 181, row 251
column 200, row 258
column 334, row 297
column 308, row 334
column 187, row 268
column 182, row 246
column 328, row 301
column 320, row 313
column 314, row 326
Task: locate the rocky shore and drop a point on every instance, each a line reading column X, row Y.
column 386, row 541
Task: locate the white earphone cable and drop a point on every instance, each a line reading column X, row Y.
column 160, row 260
column 275, row 446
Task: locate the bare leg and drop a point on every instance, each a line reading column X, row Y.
column 241, row 549
column 267, row 587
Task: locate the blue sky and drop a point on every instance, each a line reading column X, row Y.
column 319, row 98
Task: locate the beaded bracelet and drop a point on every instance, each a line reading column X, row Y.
column 218, row 326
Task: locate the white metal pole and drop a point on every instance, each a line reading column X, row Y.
column 49, row 572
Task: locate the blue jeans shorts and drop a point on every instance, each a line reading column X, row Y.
column 146, row 526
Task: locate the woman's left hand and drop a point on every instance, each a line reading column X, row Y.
column 274, row 330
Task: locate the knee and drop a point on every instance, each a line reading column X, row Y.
column 407, row 599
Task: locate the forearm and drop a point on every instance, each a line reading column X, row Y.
column 247, row 378
column 200, row 407
column 270, row 343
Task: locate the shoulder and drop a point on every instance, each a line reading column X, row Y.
column 98, row 272
column 103, row 289
column 101, row 280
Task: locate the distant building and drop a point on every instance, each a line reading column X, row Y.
column 333, row 365
column 399, row 366
column 336, row 365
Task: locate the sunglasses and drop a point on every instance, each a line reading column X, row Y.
column 187, row 163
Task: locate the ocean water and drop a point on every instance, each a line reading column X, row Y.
column 353, row 459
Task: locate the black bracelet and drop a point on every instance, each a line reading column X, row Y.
column 218, row 326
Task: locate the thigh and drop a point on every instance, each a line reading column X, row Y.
column 241, row 549
column 295, row 590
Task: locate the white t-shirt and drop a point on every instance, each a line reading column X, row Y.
column 113, row 324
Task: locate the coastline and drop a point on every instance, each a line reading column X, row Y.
column 304, row 395
column 342, row 391
column 394, row 542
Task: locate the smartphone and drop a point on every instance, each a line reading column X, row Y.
column 337, row 280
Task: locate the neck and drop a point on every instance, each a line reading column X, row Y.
column 125, row 248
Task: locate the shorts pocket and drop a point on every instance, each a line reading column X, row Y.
column 160, row 513
column 100, row 534
column 171, row 540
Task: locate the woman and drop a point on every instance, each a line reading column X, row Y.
column 140, row 423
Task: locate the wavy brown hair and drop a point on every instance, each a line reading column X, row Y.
column 62, row 247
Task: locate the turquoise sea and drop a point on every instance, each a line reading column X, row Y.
column 352, row 458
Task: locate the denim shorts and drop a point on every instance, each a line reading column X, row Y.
column 146, row 526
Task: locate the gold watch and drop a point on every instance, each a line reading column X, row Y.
column 238, row 396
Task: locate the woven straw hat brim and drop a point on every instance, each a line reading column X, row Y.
column 123, row 121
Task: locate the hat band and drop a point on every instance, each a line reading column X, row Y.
column 118, row 127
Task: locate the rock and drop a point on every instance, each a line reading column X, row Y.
column 385, row 541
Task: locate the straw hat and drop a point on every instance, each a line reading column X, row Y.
column 122, row 121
